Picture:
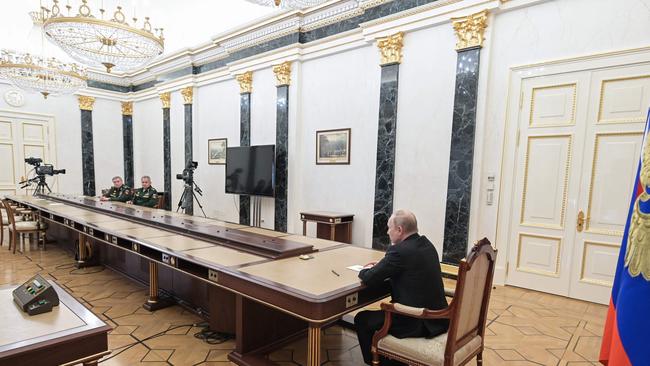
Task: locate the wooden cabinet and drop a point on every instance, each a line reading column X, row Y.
column 329, row 225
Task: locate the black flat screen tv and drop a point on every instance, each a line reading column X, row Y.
column 250, row 170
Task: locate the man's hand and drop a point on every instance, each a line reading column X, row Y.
column 129, row 202
column 369, row 265
column 102, row 198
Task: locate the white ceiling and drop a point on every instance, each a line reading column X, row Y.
column 186, row 23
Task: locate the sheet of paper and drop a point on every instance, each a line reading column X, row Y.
column 356, row 267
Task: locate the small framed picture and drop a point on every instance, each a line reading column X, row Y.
column 217, row 151
column 333, row 146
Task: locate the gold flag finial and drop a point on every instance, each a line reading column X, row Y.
column 469, row 30
column 245, row 81
column 188, row 95
column 86, row 103
column 391, row 48
column 282, row 73
column 165, row 98
column 127, row 108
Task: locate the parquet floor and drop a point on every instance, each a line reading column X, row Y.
column 525, row 327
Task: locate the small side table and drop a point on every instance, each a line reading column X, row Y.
column 329, row 225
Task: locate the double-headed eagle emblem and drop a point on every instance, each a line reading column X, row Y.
column 637, row 255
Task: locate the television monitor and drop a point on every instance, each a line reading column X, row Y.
column 250, row 170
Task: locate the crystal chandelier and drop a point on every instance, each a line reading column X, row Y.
column 288, row 4
column 113, row 44
column 47, row 76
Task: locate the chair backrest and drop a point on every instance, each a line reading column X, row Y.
column 161, row 200
column 472, row 295
column 11, row 218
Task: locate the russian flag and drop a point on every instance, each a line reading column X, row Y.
column 627, row 330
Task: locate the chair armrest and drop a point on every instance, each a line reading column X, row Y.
column 397, row 308
column 419, row 313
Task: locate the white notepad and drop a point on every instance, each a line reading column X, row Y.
column 356, row 267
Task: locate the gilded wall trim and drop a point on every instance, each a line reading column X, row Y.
column 188, row 95
column 86, row 103
column 469, row 30
column 391, row 48
column 127, row 108
column 245, row 81
column 165, row 98
column 282, row 73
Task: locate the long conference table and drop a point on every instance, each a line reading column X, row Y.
column 264, row 292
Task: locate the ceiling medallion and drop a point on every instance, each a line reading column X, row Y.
column 288, row 4
column 113, row 44
column 47, row 76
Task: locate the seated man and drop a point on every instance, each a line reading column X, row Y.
column 147, row 195
column 411, row 264
column 118, row 192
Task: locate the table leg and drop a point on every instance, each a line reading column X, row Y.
column 154, row 302
column 304, row 227
column 332, row 232
column 81, row 256
column 313, row 345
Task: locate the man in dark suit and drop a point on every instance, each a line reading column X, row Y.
column 412, row 266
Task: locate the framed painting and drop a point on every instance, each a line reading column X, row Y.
column 333, row 146
column 217, row 151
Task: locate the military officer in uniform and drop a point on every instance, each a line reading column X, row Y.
column 118, row 192
column 147, row 195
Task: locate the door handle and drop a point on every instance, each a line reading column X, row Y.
column 581, row 221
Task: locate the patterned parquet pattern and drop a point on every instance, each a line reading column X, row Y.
column 525, row 327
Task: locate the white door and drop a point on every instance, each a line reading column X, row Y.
column 579, row 145
column 22, row 136
column 549, row 153
column 613, row 143
column 8, row 158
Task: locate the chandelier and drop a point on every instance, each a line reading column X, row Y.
column 113, row 44
column 47, row 76
column 288, row 4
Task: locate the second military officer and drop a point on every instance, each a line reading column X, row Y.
column 147, row 195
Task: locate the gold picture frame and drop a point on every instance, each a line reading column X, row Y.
column 217, row 151
column 333, row 146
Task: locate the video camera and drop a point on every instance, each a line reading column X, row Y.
column 188, row 172
column 45, row 169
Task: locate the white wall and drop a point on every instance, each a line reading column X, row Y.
column 216, row 116
column 263, row 121
column 107, row 142
column 148, row 142
column 427, row 78
column 107, row 133
column 339, row 91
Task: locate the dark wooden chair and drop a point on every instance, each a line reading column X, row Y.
column 161, row 200
column 21, row 227
column 467, row 314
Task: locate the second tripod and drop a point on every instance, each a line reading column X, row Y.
column 187, row 199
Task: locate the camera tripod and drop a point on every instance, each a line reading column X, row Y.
column 40, row 187
column 187, row 199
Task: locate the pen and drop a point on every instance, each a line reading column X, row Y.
column 333, row 271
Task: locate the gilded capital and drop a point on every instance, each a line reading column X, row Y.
column 86, row 103
column 165, row 98
column 391, row 48
column 127, row 108
column 188, row 94
column 282, row 73
column 469, row 30
column 245, row 81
